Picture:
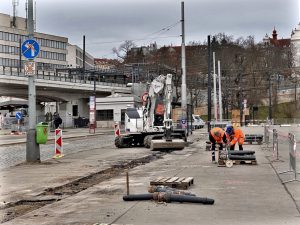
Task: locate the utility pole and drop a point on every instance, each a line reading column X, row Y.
column 32, row 148
column 241, row 99
column 241, row 105
column 296, row 81
column 183, row 70
column 83, row 57
column 209, row 84
column 270, row 98
column 220, row 91
column 20, row 56
column 215, row 87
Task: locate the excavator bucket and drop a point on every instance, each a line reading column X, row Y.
column 162, row 144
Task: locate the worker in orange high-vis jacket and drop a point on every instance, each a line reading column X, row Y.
column 235, row 135
column 217, row 135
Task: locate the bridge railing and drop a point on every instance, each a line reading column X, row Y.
column 63, row 77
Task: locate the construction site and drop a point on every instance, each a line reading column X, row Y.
column 138, row 186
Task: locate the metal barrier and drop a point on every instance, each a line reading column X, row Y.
column 275, row 147
column 266, row 135
column 275, row 144
column 292, row 158
column 64, row 77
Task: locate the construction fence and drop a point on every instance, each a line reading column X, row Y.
column 284, row 147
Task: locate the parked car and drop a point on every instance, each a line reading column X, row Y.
column 197, row 122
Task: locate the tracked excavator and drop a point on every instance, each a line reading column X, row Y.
column 152, row 126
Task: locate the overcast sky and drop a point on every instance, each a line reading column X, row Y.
column 107, row 23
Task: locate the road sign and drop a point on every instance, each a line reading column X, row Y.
column 29, row 68
column 30, row 49
column 19, row 116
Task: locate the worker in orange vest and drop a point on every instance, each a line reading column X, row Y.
column 217, row 135
column 235, row 135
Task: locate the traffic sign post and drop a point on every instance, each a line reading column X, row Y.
column 92, row 114
column 30, row 49
column 29, row 68
column 19, row 117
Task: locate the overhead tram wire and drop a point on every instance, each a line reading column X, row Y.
column 146, row 37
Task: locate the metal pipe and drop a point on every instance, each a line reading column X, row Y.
column 138, row 197
column 168, row 197
column 242, row 157
column 192, row 199
column 241, row 152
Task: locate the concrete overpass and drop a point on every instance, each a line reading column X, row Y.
column 52, row 88
column 64, row 89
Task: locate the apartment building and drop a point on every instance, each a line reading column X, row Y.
column 53, row 49
column 75, row 57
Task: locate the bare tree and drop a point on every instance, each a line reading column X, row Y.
column 123, row 50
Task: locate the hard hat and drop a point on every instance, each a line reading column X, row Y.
column 229, row 130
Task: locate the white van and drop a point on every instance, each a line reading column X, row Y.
column 197, row 122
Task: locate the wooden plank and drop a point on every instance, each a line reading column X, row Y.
column 172, row 179
column 158, row 179
column 164, row 180
column 174, row 182
column 180, row 179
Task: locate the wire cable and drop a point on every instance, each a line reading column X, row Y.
column 146, row 37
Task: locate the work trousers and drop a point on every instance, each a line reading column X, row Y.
column 213, row 143
column 240, row 147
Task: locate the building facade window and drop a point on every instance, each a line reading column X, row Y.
column 43, row 42
column 43, row 54
column 105, row 115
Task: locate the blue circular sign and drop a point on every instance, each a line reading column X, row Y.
column 19, row 115
column 30, row 49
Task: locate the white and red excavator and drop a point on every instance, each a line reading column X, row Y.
column 151, row 125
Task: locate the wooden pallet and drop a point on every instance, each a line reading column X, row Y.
column 238, row 162
column 174, row 182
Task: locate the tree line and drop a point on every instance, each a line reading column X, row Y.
column 248, row 69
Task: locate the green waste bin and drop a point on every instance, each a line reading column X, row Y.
column 42, row 130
